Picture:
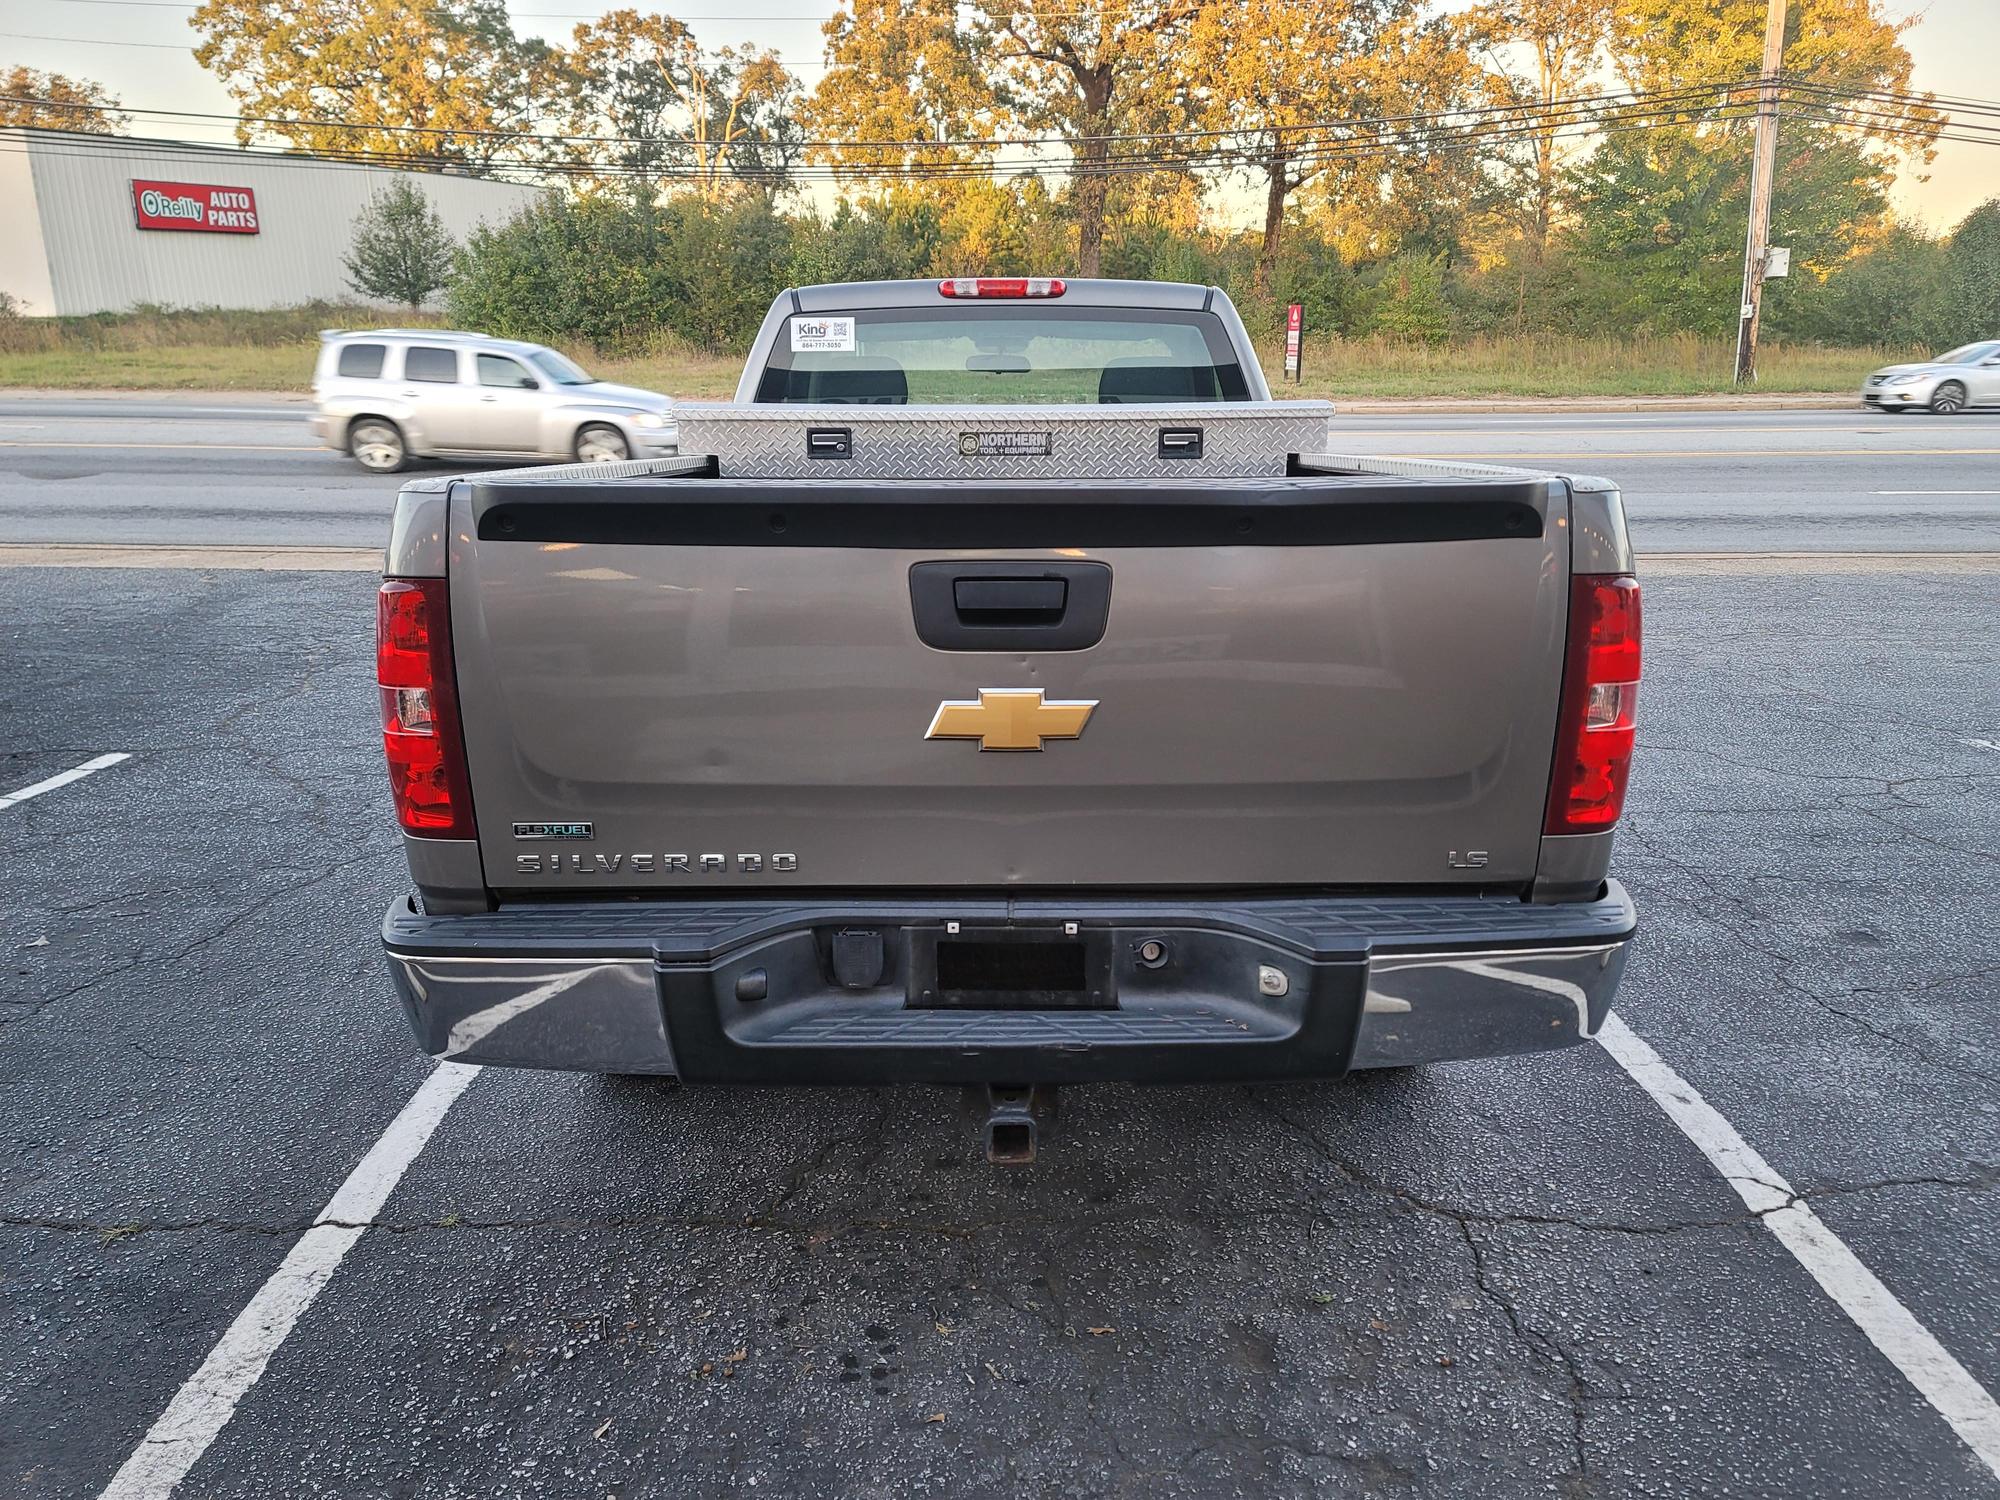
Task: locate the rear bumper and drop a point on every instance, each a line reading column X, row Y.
column 659, row 987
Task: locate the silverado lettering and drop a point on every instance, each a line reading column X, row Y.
column 647, row 864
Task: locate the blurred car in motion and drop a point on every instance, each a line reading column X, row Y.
column 387, row 395
column 1966, row 376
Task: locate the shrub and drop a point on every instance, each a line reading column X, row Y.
column 1409, row 300
column 615, row 274
column 401, row 251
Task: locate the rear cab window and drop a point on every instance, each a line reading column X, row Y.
column 361, row 361
column 429, row 363
column 1003, row 353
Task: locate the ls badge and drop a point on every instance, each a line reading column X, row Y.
column 1010, row 719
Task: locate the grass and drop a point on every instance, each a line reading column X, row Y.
column 1545, row 365
column 158, row 349
column 193, row 367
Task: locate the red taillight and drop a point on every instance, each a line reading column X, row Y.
column 1600, row 697
column 420, row 732
column 1001, row 286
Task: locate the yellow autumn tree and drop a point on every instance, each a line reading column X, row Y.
column 1293, row 82
column 1084, row 71
column 906, row 92
column 55, row 101
column 446, row 79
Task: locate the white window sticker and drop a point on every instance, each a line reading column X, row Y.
column 822, row 335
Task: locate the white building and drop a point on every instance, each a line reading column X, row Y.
column 100, row 223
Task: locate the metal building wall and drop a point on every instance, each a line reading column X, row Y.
column 24, row 264
column 99, row 260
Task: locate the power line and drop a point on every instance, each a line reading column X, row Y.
column 92, row 41
column 1690, row 98
column 100, row 41
column 1320, row 143
column 1434, row 137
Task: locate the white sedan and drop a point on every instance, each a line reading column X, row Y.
column 1967, row 376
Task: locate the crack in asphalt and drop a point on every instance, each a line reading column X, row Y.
column 1548, row 1347
column 27, row 1010
column 1983, row 1177
column 1783, row 976
column 1793, row 773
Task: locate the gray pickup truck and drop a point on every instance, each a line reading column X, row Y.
column 1005, row 691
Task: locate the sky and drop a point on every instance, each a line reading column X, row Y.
column 139, row 49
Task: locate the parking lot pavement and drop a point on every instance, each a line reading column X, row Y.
column 1508, row 1278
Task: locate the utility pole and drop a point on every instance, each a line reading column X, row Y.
column 1763, row 166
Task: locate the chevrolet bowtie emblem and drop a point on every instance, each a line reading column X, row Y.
column 1010, row 719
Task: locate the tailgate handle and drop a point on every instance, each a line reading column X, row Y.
column 991, row 602
column 1018, row 604
column 1180, row 442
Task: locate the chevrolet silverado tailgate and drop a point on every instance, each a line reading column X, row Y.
column 686, row 681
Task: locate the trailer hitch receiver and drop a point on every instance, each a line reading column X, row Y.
column 1016, row 1116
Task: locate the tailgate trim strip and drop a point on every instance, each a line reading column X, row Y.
column 1298, row 511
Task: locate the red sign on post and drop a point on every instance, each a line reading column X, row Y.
column 1295, row 327
column 197, row 207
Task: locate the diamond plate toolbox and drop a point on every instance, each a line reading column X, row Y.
column 1239, row 440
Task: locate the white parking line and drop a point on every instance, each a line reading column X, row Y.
column 76, row 773
column 203, row 1406
column 1938, row 492
column 1872, row 1307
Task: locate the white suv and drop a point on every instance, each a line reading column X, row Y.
column 393, row 394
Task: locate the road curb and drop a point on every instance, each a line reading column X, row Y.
column 238, row 559
column 1817, row 563
column 1513, row 405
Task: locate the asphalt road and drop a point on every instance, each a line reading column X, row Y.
column 120, row 470
column 1498, row 1279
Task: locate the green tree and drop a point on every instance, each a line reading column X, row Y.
column 1544, row 52
column 443, row 79
column 401, row 250
column 660, row 107
column 1663, row 208
column 1973, row 274
column 55, row 101
column 1894, row 290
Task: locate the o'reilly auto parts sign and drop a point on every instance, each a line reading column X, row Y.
column 196, row 207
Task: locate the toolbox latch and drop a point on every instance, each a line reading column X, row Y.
column 829, row 442
column 1180, row 442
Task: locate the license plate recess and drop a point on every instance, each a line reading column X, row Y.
column 1011, row 968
